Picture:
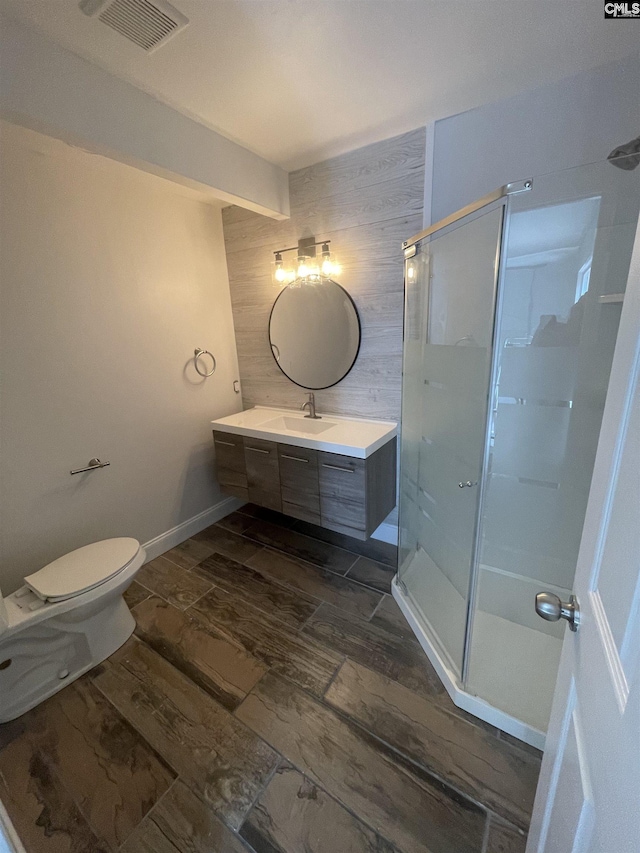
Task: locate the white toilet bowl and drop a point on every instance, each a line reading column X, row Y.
column 67, row 618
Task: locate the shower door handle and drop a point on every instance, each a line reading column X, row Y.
column 467, row 485
column 552, row 608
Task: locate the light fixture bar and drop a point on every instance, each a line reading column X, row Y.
column 309, row 267
column 304, row 244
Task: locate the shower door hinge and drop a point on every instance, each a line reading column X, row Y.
column 518, row 187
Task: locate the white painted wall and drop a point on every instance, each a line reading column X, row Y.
column 578, row 120
column 47, row 88
column 109, row 279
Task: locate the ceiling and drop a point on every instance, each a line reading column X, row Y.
column 297, row 81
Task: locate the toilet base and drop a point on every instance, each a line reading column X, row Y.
column 48, row 656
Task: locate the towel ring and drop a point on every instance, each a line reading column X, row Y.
column 199, row 352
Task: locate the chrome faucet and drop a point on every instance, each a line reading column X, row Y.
column 311, row 405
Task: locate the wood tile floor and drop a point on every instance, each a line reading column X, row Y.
column 272, row 700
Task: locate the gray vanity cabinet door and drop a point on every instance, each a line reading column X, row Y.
column 230, row 464
column 263, row 472
column 299, row 482
column 343, row 493
column 356, row 495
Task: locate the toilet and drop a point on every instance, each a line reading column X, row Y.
column 68, row 617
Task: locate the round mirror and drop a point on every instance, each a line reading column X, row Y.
column 314, row 331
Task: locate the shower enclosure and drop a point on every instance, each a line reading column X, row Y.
column 511, row 315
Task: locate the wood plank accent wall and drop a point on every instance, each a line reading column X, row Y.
column 366, row 202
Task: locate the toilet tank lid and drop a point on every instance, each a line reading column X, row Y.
column 83, row 569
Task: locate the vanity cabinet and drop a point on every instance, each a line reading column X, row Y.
column 230, row 465
column 343, row 493
column 343, row 489
column 299, row 482
column 263, row 472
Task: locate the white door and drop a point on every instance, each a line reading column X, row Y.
column 588, row 798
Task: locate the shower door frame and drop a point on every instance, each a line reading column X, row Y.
column 432, row 646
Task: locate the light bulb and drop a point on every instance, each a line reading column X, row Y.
column 327, row 265
column 279, row 274
column 303, row 270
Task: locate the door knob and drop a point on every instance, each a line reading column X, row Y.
column 552, row 608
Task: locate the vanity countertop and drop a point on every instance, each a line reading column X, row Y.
column 357, row 437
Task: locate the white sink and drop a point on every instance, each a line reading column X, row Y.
column 358, row 437
column 305, row 425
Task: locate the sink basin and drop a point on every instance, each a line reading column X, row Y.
column 330, row 433
column 304, row 425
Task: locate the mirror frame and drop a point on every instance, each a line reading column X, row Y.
column 355, row 357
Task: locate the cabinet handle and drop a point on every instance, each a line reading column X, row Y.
column 294, row 458
column 258, row 450
column 339, row 468
column 227, row 443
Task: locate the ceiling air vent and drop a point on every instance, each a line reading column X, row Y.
column 145, row 23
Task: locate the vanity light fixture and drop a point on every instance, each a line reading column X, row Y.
column 308, row 267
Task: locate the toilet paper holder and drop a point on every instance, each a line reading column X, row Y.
column 93, row 465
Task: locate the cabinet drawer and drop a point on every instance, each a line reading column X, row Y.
column 230, row 464
column 299, row 480
column 346, row 514
column 263, row 472
column 342, row 477
column 342, row 491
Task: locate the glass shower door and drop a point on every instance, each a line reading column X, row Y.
column 565, row 262
column 449, row 314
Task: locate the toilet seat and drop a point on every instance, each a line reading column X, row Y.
column 83, row 569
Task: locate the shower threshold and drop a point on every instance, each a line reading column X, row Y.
column 460, row 697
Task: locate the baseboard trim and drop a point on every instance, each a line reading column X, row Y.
column 170, row 538
column 386, row 533
column 472, row 704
